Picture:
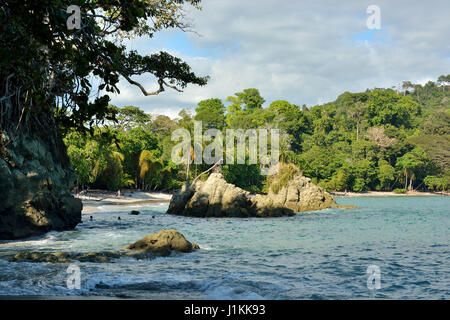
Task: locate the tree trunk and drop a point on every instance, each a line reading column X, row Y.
column 357, row 130
column 406, row 179
column 188, row 162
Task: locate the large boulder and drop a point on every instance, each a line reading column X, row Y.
column 211, row 198
column 300, row 195
column 217, row 198
column 161, row 243
column 35, row 181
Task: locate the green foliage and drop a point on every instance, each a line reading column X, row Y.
column 437, row 183
column 437, row 147
column 55, row 65
column 413, row 163
column 281, row 179
column 374, row 140
column 212, row 113
column 399, row 190
column 131, row 116
column 150, row 169
column 246, row 176
column 242, row 113
column 386, row 174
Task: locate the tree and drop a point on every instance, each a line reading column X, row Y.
column 163, row 125
column 407, row 85
column 241, row 113
column 55, row 63
column 250, row 99
column 436, row 183
column 212, row 114
column 378, row 135
column 364, row 171
column 386, row 174
column 411, row 162
column 444, row 81
column 150, row 167
column 290, row 119
column 132, row 143
column 131, row 116
column 356, row 114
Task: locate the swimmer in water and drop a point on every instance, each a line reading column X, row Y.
column 91, row 218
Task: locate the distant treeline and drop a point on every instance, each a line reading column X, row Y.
column 380, row 139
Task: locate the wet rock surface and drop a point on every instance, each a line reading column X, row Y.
column 162, row 243
column 35, row 182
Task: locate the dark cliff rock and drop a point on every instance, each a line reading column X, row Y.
column 35, row 182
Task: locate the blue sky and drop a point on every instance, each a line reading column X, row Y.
column 306, row 52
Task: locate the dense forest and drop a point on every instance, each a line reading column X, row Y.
column 381, row 139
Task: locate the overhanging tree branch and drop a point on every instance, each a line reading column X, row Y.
column 161, row 83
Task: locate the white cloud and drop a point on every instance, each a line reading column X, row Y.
column 305, row 52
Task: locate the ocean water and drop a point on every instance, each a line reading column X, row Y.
column 319, row 255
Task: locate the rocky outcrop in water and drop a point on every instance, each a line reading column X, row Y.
column 217, row 198
column 162, row 243
column 35, row 181
column 300, row 195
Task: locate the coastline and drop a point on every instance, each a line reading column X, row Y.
column 97, row 198
column 387, row 194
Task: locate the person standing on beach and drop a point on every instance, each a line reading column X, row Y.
column 118, row 193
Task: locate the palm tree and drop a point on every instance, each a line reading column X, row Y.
column 148, row 164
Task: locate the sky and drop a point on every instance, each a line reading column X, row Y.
column 305, row 52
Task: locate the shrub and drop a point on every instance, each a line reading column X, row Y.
column 399, row 191
column 285, row 173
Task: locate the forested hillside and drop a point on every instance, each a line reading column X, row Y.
column 380, row 139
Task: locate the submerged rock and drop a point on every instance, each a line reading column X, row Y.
column 64, row 257
column 217, row 198
column 134, row 212
column 155, row 244
column 35, row 181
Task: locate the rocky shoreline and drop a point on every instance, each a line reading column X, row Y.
column 152, row 245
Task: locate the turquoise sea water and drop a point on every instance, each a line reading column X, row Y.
column 320, row 255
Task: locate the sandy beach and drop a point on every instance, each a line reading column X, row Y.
column 96, row 198
column 387, row 194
